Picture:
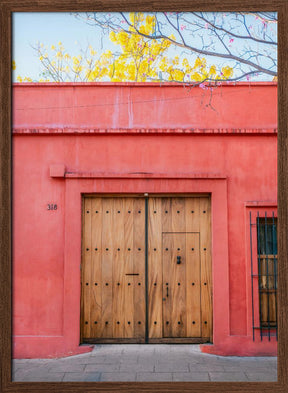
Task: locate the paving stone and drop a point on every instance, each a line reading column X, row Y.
column 154, row 377
column 226, row 376
column 154, row 361
column 218, row 361
column 32, row 361
column 131, row 361
column 196, row 377
column 255, row 360
column 205, row 367
column 102, row 360
column 188, row 358
column 129, row 358
column 258, row 366
column 139, row 348
column 232, row 368
column 164, row 348
column 23, row 372
column 107, row 352
column 34, row 365
column 264, row 358
column 74, row 360
column 108, row 349
column 150, row 348
column 137, row 367
column 80, row 377
column 261, row 377
column 105, row 368
column 146, row 361
column 67, row 368
column 171, row 367
column 38, row 377
column 118, row 377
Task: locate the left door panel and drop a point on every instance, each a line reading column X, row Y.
column 113, row 269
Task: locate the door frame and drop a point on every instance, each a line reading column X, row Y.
column 146, row 339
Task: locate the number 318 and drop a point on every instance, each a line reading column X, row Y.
column 51, row 206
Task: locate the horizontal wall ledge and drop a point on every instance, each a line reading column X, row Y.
column 139, row 175
column 145, row 131
column 136, row 84
column 37, row 336
column 261, row 204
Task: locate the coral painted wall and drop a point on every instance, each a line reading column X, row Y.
column 72, row 139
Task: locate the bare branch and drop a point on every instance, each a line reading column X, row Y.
column 193, row 49
column 242, row 37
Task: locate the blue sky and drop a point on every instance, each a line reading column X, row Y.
column 50, row 28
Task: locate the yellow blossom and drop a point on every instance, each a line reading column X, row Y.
column 140, row 59
column 213, row 70
column 227, row 71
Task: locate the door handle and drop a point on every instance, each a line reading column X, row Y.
column 167, row 291
column 178, row 259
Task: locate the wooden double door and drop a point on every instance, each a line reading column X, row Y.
column 146, row 269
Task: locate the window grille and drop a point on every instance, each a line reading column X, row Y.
column 266, row 275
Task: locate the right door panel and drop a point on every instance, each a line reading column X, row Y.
column 181, row 285
column 179, row 270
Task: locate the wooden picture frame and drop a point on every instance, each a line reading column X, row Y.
column 6, row 170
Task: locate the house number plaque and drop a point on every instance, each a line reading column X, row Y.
column 51, row 206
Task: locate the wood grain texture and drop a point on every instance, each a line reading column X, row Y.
column 178, row 216
column 155, row 267
column 139, row 267
column 192, row 213
column 268, row 290
column 7, row 6
column 113, row 249
column 180, row 311
column 193, row 287
column 178, row 340
column 129, row 268
column 107, row 268
column 96, row 268
column 174, row 285
column 86, row 272
column 113, row 268
column 206, row 268
column 118, row 268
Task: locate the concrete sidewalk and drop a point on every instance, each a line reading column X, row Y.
column 146, row 363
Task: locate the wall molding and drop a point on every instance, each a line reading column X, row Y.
column 142, row 131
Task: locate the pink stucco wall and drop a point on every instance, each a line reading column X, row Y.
column 132, row 138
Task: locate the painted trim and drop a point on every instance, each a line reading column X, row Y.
column 142, row 131
column 261, row 204
column 136, row 84
column 140, row 175
column 74, row 190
